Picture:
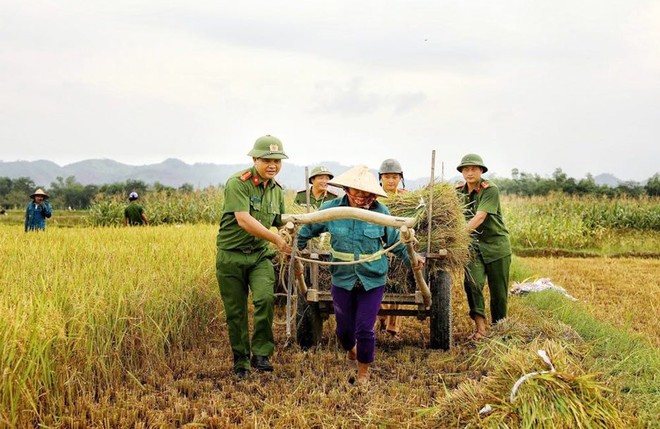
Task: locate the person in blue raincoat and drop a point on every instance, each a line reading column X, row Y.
column 37, row 211
column 357, row 290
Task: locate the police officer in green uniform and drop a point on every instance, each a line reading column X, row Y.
column 254, row 202
column 490, row 249
column 134, row 213
column 319, row 192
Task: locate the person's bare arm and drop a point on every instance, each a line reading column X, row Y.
column 253, row 227
column 476, row 221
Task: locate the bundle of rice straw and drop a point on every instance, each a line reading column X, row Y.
column 447, row 220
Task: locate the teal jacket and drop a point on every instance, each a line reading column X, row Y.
column 356, row 237
column 35, row 216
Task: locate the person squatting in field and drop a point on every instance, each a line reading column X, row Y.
column 490, row 248
column 37, row 211
column 253, row 202
column 134, row 213
column 357, row 290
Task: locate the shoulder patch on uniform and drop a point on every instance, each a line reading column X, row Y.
column 484, row 184
column 245, row 175
column 460, row 184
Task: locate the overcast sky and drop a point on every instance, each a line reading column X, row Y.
column 533, row 85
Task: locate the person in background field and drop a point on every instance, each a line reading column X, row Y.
column 37, row 211
column 490, row 248
column 357, row 290
column 319, row 192
column 134, row 213
column 390, row 175
column 253, row 203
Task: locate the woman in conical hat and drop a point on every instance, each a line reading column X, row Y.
column 357, row 290
column 363, row 186
column 37, row 211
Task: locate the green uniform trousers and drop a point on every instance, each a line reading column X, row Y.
column 236, row 272
column 497, row 273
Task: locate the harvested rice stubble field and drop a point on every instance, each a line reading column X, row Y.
column 623, row 291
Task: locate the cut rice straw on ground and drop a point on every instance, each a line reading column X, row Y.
column 566, row 398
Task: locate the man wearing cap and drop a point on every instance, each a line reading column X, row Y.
column 390, row 175
column 134, row 213
column 253, row 203
column 37, row 211
column 490, row 248
column 357, row 290
column 319, row 192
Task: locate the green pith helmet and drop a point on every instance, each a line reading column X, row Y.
column 390, row 165
column 318, row 171
column 268, row 147
column 472, row 159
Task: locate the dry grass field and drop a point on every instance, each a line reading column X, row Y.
column 623, row 291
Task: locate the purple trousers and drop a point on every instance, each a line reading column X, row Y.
column 356, row 311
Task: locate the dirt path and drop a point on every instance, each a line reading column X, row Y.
column 306, row 389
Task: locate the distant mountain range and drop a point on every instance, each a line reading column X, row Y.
column 174, row 172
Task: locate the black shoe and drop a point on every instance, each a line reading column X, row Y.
column 242, row 373
column 261, row 363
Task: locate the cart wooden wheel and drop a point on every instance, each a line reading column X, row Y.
column 440, row 285
column 309, row 322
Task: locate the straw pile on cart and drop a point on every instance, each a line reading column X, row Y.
column 447, row 231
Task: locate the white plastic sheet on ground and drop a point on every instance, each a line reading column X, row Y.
column 538, row 286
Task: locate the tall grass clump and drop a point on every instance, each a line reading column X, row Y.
column 561, row 221
column 204, row 206
column 86, row 309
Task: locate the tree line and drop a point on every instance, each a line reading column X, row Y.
column 69, row 193
column 526, row 184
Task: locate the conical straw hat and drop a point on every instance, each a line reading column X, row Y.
column 359, row 177
column 39, row 192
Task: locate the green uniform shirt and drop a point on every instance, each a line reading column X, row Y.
column 245, row 192
column 133, row 212
column 301, row 198
column 491, row 237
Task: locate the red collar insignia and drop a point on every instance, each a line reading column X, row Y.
column 246, row 175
